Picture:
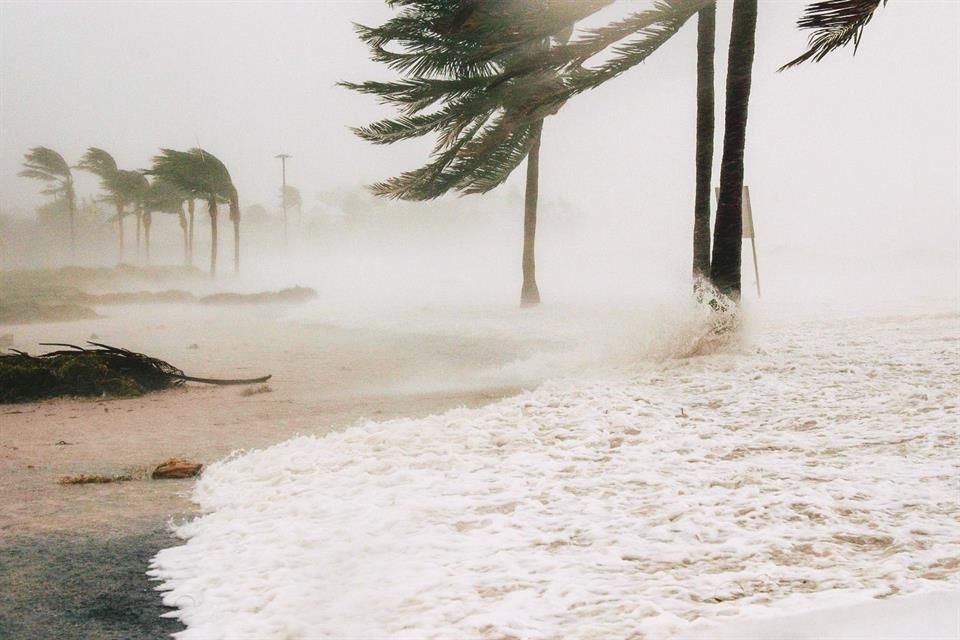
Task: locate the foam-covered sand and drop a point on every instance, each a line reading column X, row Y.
column 813, row 464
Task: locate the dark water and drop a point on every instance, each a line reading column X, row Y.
column 83, row 587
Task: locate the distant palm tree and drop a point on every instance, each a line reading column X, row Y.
column 46, row 164
column 167, row 198
column 100, row 163
column 200, row 174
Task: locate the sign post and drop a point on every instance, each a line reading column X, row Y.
column 746, row 212
column 748, row 232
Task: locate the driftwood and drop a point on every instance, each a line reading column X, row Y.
column 105, row 370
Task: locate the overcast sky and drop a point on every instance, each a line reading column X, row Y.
column 869, row 141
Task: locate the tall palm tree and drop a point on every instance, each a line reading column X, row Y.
column 706, row 30
column 49, row 166
column 474, row 153
column 202, row 175
column 728, row 229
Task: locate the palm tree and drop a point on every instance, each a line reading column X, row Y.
column 706, row 30
column 202, row 175
column 728, row 229
column 46, row 164
column 100, row 163
column 168, row 198
column 474, row 152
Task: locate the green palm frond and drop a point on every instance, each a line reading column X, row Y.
column 165, row 197
column 48, row 161
column 836, row 23
column 41, row 163
column 630, row 41
column 480, row 76
column 98, row 162
column 38, row 174
column 481, row 159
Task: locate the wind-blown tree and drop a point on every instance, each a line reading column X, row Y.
column 509, row 27
column 41, row 163
column 444, row 92
column 134, row 187
column 164, row 197
column 101, row 164
column 202, row 175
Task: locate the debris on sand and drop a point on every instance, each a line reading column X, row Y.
column 252, row 391
column 176, row 468
column 104, row 371
column 95, row 479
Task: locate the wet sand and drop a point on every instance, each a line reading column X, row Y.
column 76, row 554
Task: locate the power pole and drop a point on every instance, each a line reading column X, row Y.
column 283, row 194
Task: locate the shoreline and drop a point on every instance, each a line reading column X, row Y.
column 78, row 554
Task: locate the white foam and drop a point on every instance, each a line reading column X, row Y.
column 815, row 463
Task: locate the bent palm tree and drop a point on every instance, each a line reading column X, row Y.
column 467, row 103
column 41, row 163
column 101, row 164
column 202, row 175
column 167, row 198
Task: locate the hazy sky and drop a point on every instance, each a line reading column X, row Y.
column 855, row 142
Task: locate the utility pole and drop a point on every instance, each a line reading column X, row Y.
column 283, row 194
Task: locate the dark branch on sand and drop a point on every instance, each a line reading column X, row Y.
column 104, row 371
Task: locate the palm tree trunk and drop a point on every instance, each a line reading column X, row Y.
column 182, row 219
column 235, row 218
column 529, row 293
column 147, row 221
column 728, row 231
column 120, row 228
column 190, row 209
column 139, row 224
column 72, row 205
column 706, row 34
column 212, row 208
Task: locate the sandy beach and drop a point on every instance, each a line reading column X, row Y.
column 76, row 555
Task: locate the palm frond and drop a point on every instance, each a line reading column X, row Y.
column 38, row 174
column 98, row 162
column 836, row 23
column 630, row 41
column 48, row 160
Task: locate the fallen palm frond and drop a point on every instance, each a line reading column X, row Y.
column 104, row 371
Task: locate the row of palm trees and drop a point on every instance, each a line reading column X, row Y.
column 178, row 179
column 482, row 77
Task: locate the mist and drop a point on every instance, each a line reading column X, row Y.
column 852, row 163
